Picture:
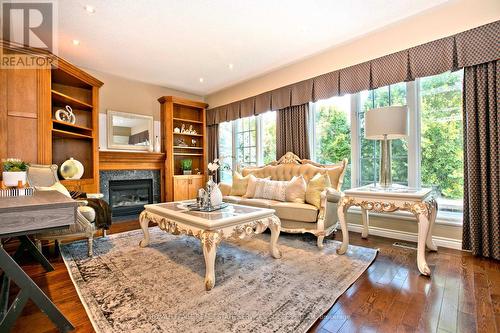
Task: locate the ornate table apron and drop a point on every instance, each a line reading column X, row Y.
column 425, row 211
column 211, row 238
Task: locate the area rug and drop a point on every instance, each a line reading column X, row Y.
column 125, row 288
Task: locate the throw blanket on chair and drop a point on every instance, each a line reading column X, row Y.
column 102, row 213
column 101, row 208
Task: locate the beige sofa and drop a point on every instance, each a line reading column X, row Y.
column 298, row 217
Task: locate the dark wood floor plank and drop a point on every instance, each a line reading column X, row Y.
column 391, row 296
column 484, row 309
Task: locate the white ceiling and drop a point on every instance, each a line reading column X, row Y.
column 174, row 43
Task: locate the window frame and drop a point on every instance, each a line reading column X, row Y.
column 413, row 142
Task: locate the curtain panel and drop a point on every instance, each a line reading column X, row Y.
column 212, row 142
column 292, row 131
column 481, row 229
column 465, row 49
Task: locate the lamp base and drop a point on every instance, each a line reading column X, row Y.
column 385, row 163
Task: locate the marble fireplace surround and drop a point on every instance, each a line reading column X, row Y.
column 106, row 175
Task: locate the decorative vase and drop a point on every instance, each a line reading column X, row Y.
column 157, row 144
column 215, row 192
column 71, row 169
column 12, row 178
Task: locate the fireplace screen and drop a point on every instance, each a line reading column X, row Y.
column 128, row 197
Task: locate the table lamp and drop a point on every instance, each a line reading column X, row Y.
column 386, row 124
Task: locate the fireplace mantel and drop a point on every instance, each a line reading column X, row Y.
column 124, row 160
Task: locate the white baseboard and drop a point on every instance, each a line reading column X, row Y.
column 450, row 243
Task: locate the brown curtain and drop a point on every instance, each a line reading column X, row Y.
column 292, row 131
column 212, row 142
column 481, row 233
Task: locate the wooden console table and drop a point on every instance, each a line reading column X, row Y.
column 19, row 217
column 419, row 202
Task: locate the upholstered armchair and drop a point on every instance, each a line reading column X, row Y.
column 298, row 217
column 43, row 177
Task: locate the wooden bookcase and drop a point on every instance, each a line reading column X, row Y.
column 175, row 112
column 72, row 86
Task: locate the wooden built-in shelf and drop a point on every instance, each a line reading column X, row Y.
column 77, row 181
column 188, row 147
column 187, row 154
column 188, row 120
column 187, row 134
column 175, row 111
column 73, row 102
column 69, row 125
column 66, row 134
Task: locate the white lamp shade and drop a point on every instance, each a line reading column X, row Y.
column 391, row 121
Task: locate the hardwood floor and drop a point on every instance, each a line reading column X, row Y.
column 463, row 294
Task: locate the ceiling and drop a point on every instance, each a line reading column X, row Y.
column 175, row 43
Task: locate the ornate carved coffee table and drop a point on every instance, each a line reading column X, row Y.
column 419, row 202
column 234, row 221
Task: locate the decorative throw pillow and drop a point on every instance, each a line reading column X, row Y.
column 56, row 187
column 240, row 184
column 272, row 189
column 252, row 183
column 296, row 190
column 316, row 185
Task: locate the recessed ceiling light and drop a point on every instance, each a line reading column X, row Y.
column 231, row 66
column 201, row 80
column 76, row 42
column 89, row 9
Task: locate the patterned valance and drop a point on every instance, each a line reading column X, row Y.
column 468, row 48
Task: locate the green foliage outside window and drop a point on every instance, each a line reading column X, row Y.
column 333, row 138
column 442, row 138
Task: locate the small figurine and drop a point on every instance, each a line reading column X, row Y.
column 177, row 130
column 183, row 128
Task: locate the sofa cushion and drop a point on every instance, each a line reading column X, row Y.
column 262, row 203
column 296, row 211
column 314, row 188
column 240, row 184
column 272, row 189
column 296, row 190
column 252, row 185
column 232, row 199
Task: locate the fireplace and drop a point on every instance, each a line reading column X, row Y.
column 128, row 197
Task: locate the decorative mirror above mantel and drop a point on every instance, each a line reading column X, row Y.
column 129, row 131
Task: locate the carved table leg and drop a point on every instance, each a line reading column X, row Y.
column 144, row 221
column 275, row 227
column 341, row 212
column 423, row 230
column 365, row 218
column 433, row 213
column 209, row 241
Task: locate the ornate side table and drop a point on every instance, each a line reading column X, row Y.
column 419, row 202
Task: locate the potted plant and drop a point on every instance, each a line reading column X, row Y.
column 186, row 166
column 14, row 170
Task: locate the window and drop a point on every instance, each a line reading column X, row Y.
column 268, row 121
column 442, row 138
column 226, row 149
column 432, row 155
column 247, row 141
column 332, row 133
column 370, row 149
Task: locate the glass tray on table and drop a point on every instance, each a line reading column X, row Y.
column 198, row 208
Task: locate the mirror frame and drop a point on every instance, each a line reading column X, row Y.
column 109, row 121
